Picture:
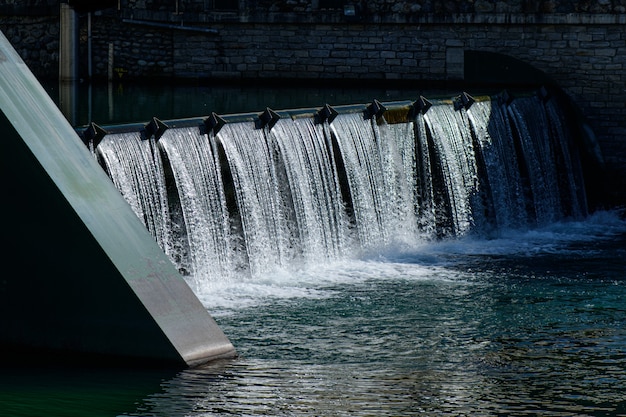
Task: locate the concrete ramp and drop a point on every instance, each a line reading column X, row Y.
column 82, row 277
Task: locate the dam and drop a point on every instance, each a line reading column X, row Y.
column 444, row 253
column 235, row 195
column 344, row 292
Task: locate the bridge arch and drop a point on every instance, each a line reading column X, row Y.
column 494, row 68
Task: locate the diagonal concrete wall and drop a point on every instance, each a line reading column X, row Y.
column 82, row 275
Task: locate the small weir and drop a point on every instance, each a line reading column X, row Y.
column 230, row 196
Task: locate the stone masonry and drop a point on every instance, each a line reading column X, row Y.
column 579, row 45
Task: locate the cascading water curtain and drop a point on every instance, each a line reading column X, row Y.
column 531, row 125
column 397, row 148
column 454, row 155
column 246, row 201
column 569, row 169
column 356, row 144
column 316, row 194
column 201, row 199
column 265, row 209
column 497, row 155
column 135, row 167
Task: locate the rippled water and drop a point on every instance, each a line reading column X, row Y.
column 527, row 323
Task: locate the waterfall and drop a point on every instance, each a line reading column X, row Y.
column 454, row 154
column 135, row 167
column 318, row 207
column 496, row 155
column 370, row 171
column 247, row 200
column 199, row 202
column 263, row 197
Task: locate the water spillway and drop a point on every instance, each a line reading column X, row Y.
column 233, row 196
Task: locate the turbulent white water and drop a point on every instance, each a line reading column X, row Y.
column 320, row 217
column 436, row 262
column 238, row 205
column 202, row 221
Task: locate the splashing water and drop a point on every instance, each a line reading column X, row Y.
column 245, row 202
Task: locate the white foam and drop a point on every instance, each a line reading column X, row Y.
column 314, row 282
column 420, row 261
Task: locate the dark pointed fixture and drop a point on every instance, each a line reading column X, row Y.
column 213, row 123
column 93, row 134
column 326, row 113
column 268, row 118
column 505, row 98
column 374, row 109
column 421, row 105
column 463, row 101
column 155, row 128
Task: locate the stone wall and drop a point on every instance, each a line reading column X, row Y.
column 388, row 6
column 36, row 39
column 587, row 58
column 406, row 43
column 371, row 6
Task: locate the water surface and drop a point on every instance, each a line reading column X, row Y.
column 525, row 323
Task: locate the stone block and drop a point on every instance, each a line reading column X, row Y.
column 455, row 63
column 610, row 52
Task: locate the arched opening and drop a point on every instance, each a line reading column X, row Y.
column 491, row 68
column 495, row 70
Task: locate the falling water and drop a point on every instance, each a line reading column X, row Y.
column 456, row 164
column 318, row 207
column 247, row 200
column 198, row 199
column 135, row 167
column 263, row 197
column 397, row 146
column 496, row 154
column 373, row 167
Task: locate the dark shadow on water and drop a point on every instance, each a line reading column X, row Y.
column 75, row 391
column 51, row 390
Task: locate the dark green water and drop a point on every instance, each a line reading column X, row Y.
column 115, row 103
column 530, row 323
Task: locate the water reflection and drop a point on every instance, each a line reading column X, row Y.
column 119, row 103
column 486, row 335
column 278, row 388
column 539, row 332
column 68, row 100
column 507, row 338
